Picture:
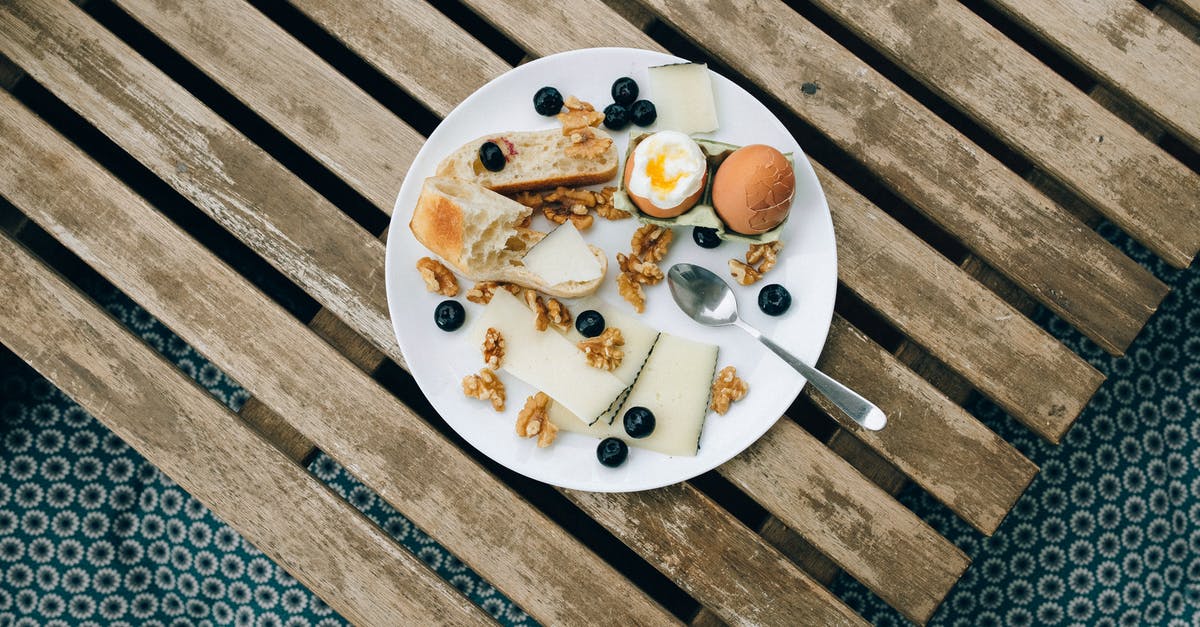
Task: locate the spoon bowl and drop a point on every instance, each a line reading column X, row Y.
column 702, row 295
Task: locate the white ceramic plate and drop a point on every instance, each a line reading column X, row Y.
column 807, row 267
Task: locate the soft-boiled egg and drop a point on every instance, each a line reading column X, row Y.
column 666, row 173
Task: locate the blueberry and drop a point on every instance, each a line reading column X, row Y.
column 449, row 315
column 612, row 452
column 624, row 90
column 639, row 422
column 705, row 237
column 589, row 323
column 774, row 299
column 547, row 101
column 616, row 116
column 491, row 156
column 643, row 113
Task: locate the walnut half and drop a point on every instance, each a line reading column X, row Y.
column 604, row 350
column 650, row 242
column 742, row 273
column 726, row 389
column 485, row 386
column 534, row 419
column 493, row 348
column 438, row 278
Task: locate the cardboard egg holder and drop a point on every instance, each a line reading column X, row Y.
column 702, row 214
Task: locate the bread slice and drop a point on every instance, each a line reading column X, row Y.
column 540, row 162
column 475, row 231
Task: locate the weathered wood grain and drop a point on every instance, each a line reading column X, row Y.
column 829, row 503
column 1000, row 217
column 1127, row 178
column 301, row 524
column 423, row 51
column 272, row 73
column 941, row 447
column 992, row 345
column 579, row 24
column 693, row 522
column 292, row 371
column 200, row 155
column 1127, row 48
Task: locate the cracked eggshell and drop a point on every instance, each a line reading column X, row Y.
column 752, row 190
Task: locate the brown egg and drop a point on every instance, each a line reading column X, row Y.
column 752, row 190
column 652, row 209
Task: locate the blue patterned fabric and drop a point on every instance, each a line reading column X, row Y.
column 1108, row 534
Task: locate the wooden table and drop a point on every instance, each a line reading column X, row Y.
column 195, row 154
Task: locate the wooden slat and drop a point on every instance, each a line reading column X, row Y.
column 200, row 316
column 200, row 155
column 298, row 522
column 342, row 127
column 579, row 24
column 1000, row 217
column 936, row 443
column 854, row 522
column 1127, row 178
column 772, row 601
column 1006, row 356
column 421, row 44
column 379, row 439
column 1128, row 49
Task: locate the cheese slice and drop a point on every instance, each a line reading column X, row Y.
column 562, row 257
column 674, row 385
column 683, row 97
column 546, row 360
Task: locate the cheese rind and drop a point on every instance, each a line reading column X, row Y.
column 562, row 256
column 546, row 360
column 674, row 385
column 683, row 97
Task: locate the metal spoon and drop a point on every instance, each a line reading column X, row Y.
column 707, row 298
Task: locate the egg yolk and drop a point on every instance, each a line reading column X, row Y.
column 656, row 170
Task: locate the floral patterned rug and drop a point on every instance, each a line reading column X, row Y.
column 1108, row 534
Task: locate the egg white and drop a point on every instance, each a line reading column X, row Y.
column 682, row 158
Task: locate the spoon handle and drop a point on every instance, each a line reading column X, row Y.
column 859, row 409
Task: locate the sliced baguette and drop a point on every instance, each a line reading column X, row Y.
column 475, row 231
column 540, row 162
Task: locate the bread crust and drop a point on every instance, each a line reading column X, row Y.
column 437, row 223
